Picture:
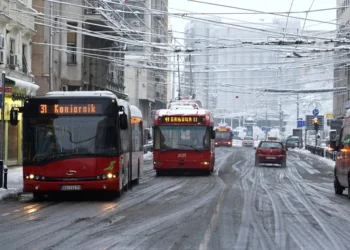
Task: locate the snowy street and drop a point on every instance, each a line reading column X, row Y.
column 240, row 206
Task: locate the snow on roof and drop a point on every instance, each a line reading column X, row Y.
column 135, row 112
column 82, row 93
column 163, row 112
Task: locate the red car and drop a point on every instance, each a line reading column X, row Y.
column 271, row 152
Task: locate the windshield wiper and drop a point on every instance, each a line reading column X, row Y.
column 53, row 154
column 190, row 146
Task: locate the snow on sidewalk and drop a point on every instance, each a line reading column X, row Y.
column 14, row 182
column 327, row 161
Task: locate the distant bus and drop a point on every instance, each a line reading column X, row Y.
column 80, row 141
column 223, row 135
column 183, row 140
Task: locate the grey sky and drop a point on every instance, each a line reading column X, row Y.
column 178, row 24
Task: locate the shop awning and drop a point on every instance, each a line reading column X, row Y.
column 23, row 87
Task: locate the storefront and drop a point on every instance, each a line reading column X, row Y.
column 16, row 92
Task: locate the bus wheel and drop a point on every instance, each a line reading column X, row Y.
column 38, row 196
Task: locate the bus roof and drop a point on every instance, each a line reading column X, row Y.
column 103, row 93
column 180, row 111
column 135, row 112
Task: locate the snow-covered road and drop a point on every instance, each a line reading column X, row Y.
column 240, row 206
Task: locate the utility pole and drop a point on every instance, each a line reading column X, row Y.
column 178, row 71
column 2, row 162
column 51, row 48
column 297, row 106
column 266, row 121
column 281, row 117
column 190, row 57
column 137, row 102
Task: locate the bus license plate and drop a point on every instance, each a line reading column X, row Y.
column 71, row 188
column 271, row 158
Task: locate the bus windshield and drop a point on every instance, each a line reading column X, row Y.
column 49, row 139
column 223, row 135
column 182, row 138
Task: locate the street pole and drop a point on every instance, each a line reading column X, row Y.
column 51, row 48
column 178, row 72
column 266, row 121
column 190, row 57
column 137, row 102
column 2, row 162
column 297, row 106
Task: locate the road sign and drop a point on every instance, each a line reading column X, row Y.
column 329, row 116
column 300, row 123
column 315, row 112
column 265, row 129
column 310, row 123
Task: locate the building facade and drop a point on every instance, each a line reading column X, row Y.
column 78, row 47
column 146, row 64
column 244, row 62
column 341, row 68
column 16, row 32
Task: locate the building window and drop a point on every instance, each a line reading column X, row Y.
column 71, row 43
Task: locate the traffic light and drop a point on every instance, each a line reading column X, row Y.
column 315, row 120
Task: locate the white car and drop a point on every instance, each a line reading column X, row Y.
column 248, row 141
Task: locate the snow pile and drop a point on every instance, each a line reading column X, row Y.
column 14, row 182
column 327, row 161
column 9, row 192
column 258, row 133
column 148, row 156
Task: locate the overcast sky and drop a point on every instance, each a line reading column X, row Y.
column 178, row 24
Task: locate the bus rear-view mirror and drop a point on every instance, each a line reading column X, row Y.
column 123, row 119
column 213, row 134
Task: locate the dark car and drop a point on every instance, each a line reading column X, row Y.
column 293, row 142
column 272, row 152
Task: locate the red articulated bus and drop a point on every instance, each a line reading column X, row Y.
column 80, row 141
column 183, row 140
column 223, row 135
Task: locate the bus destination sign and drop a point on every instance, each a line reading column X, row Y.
column 70, row 109
column 222, row 129
column 182, row 119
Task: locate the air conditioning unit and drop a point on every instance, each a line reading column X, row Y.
column 13, row 61
column 2, row 41
column 1, row 57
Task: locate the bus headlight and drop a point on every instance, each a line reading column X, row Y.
column 205, row 163
column 157, row 162
column 109, row 176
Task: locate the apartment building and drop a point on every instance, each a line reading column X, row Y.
column 16, row 32
column 78, row 46
column 341, row 100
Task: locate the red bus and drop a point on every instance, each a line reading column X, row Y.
column 78, row 141
column 183, row 140
column 223, row 135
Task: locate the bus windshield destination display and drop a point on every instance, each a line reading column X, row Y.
column 182, row 119
column 70, row 109
column 222, row 129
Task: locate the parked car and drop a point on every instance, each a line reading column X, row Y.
column 272, row 152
